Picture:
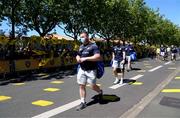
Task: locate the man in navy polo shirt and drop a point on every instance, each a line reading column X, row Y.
column 162, row 51
column 118, row 58
column 129, row 50
column 87, row 57
column 173, row 52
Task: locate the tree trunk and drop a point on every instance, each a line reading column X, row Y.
column 13, row 29
column 108, row 42
column 75, row 38
column 124, row 42
column 42, row 35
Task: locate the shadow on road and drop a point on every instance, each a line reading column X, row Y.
column 105, row 99
column 136, row 69
column 129, row 81
column 30, row 76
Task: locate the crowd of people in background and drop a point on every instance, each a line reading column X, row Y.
column 164, row 52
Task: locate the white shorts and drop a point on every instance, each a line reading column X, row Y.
column 162, row 54
column 84, row 77
column 117, row 64
column 128, row 58
column 173, row 54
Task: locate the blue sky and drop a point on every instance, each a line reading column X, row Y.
column 169, row 8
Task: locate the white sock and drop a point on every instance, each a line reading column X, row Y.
column 117, row 78
column 83, row 100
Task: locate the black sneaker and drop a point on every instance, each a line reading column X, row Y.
column 81, row 106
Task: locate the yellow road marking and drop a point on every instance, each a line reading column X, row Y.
column 3, row 98
column 42, row 103
column 18, row 84
column 136, row 83
column 177, row 77
column 57, row 82
column 171, row 91
column 51, row 89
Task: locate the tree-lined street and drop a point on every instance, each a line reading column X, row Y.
column 39, row 73
column 58, row 96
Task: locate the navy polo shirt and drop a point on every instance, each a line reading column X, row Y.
column 173, row 50
column 118, row 53
column 162, row 49
column 87, row 51
column 129, row 50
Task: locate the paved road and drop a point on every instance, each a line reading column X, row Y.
column 56, row 95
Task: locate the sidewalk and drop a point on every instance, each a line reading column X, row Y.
column 166, row 104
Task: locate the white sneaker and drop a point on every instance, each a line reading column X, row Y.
column 116, row 81
column 121, row 82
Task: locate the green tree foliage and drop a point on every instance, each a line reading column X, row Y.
column 110, row 19
column 11, row 10
column 42, row 15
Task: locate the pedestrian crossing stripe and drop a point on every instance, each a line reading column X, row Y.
column 3, row 98
column 42, row 103
column 90, row 85
column 51, row 89
column 57, row 82
column 177, row 77
column 170, row 91
column 142, row 71
column 136, row 83
column 18, row 84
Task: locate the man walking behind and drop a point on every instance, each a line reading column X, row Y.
column 118, row 58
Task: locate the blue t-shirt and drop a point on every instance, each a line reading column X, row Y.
column 129, row 50
column 87, row 51
column 118, row 53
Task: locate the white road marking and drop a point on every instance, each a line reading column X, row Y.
column 73, row 104
column 117, row 86
column 155, row 68
column 58, row 110
column 120, row 85
column 168, row 63
column 70, row 76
